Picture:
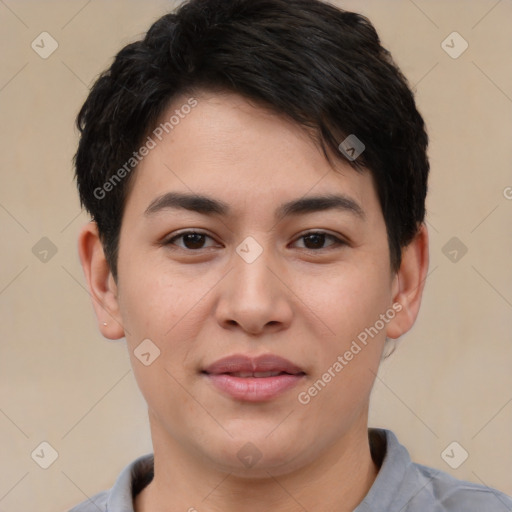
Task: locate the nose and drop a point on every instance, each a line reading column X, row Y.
column 254, row 296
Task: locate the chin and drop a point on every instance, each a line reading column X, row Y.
column 258, row 455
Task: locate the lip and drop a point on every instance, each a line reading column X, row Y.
column 252, row 388
column 242, row 363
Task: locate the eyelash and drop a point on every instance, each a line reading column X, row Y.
column 337, row 241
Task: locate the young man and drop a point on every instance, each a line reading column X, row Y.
column 256, row 172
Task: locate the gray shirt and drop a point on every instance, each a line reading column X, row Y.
column 400, row 486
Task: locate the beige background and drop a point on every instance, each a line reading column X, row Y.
column 61, row 382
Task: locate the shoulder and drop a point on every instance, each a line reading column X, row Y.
column 133, row 478
column 97, row 503
column 404, row 485
column 454, row 495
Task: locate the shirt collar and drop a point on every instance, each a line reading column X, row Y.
column 391, row 490
column 129, row 482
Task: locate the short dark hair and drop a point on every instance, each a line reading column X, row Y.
column 319, row 65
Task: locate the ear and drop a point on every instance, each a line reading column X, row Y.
column 408, row 284
column 102, row 287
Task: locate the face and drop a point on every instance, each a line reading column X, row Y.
column 280, row 283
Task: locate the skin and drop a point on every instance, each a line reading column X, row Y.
column 302, row 299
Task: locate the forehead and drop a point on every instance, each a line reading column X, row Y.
column 242, row 154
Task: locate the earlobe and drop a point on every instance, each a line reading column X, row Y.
column 102, row 287
column 409, row 283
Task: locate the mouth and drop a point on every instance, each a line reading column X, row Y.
column 257, row 375
column 253, row 379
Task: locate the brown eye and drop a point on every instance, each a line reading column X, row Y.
column 191, row 240
column 316, row 240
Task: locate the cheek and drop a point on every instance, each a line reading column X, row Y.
column 152, row 300
column 161, row 390
column 169, row 309
column 347, row 300
column 349, row 357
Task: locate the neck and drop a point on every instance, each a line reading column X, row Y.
column 336, row 480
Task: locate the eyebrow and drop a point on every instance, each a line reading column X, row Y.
column 209, row 206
